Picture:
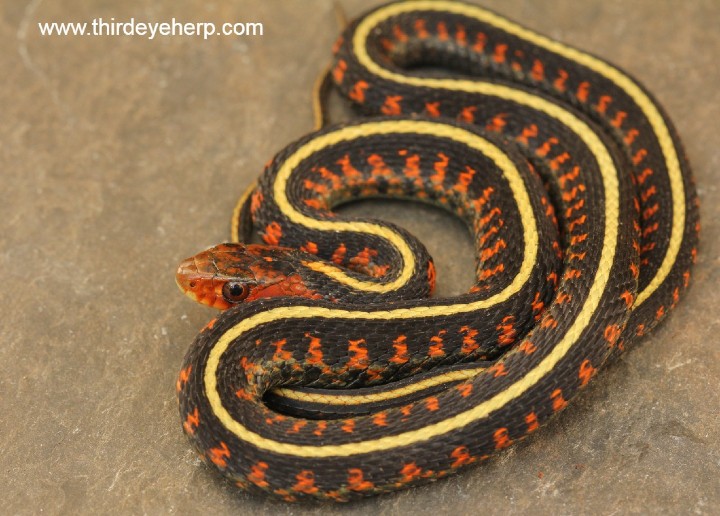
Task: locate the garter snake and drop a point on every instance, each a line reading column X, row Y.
column 331, row 374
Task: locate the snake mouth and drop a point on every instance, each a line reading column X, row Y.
column 197, row 281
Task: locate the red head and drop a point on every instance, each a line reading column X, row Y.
column 227, row 274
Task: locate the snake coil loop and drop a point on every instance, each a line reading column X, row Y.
column 339, row 377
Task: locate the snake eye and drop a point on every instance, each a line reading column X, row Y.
column 234, row 292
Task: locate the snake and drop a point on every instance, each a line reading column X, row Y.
column 331, row 371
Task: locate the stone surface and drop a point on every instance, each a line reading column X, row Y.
column 120, row 156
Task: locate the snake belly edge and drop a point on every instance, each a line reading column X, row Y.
column 583, row 212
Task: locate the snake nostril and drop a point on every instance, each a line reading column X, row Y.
column 193, row 284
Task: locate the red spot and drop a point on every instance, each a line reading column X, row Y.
column 348, row 426
column 432, row 404
column 380, row 419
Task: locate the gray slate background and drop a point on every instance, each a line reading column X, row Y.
column 120, row 156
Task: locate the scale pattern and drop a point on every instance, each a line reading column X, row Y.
column 582, row 208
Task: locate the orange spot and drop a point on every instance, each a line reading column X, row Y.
column 431, row 277
column 432, row 108
column 347, row 169
column 507, row 331
column 498, row 370
column 462, row 457
column 310, row 248
column 380, row 419
column 358, row 91
column 320, row 428
column 432, row 404
column 498, row 123
column 405, row 411
column 192, row 422
column 545, row 148
column 570, row 176
column 297, row 426
column 461, row 36
column 619, row 119
column 436, row 348
column 562, row 78
column 257, row 474
column 339, row 255
column 442, row 31
column 502, row 438
column 281, row 355
column 243, row 394
column 255, row 201
column 628, row 298
column 219, row 454
column 558, row 402
column 440, row 168
column 499, row 54
column 587, row 371
column 465, row 389
column 314, row 351
column 583, row 91
column 273, row 233
column 469, row 344
column 420, row 28
column 339, row 71
column 305, row 482
column 612, row 334
column 379, row 168
column 400, row 346
column 399, row 34
column 631, row 136
column 603, row 103
column 538, row 70
column 183, row 378
column 392, row 105
column 356, row 480
column 348, row 426
column 480, row 41
column 531, row 421
column 527, row 347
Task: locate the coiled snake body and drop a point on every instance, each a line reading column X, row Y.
column 583, row 213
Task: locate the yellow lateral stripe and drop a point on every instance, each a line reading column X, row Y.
column 623, row 81
column 361, row 399
column 607, row 258
column 388, row 127
column 235, row 222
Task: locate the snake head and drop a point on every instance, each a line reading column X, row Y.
column 228, row 274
